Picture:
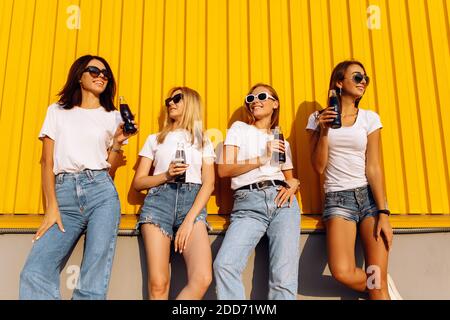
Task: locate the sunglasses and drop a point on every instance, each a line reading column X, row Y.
column 176, row 98
column 359, row 77
column 262, row 96
column 95, row 72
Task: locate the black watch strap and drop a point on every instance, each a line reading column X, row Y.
column 385, row 211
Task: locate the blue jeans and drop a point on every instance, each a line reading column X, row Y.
column 167, row 205
column 255, row 214
column 352, row 205
column 88, row 202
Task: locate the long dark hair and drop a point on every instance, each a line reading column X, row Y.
column 70, row 95
column 338, row 74
column 276, row 113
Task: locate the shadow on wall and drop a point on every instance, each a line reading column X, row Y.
column 313, row 282
column 222, row 189
column 310, row 182
column 313, row 263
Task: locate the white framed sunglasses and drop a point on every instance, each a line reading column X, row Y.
column 262, row 96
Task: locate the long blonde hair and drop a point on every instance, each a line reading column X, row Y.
column 191, row 119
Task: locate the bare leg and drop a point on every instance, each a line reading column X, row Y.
column 341, row 237
column 157, row 249
column 198, row 263
column 376, row 255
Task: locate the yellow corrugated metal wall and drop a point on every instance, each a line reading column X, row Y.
column 221, row 48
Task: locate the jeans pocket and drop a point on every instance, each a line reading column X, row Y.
column 155, row 190
column 240, row 195
column 334, row 200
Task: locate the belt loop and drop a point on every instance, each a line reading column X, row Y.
column 90, row 174
column 189, row 186
column 60, row 178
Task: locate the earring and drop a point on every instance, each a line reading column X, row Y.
column 339, row 91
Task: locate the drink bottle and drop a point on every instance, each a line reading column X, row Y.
column 334, row 103
column 278, row 157
column 127, row 117
column 180, row 157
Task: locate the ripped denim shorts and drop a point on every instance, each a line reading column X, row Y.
column 167, row 205
column 352, row 205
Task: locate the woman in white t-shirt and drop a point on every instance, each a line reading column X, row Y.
column 177, row 196
column 264, row 201
column 82, row 135
column 354, row 193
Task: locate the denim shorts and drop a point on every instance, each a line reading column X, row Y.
column 352, row 205
column 167, row 205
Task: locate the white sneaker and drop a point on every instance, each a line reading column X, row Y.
column 392, row 289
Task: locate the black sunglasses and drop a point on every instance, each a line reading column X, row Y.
column 95, row 72
column 359, row 77
column 262, row 96
column 176, row 98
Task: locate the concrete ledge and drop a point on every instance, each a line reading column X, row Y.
column 219, row 223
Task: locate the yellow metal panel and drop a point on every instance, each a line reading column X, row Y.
column 221, row 48
column 28, row 193
column 14, row 97
column 386, row 100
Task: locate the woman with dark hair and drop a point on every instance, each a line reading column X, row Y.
column 82, row 135
column 349, row 157
column 264, row 200
column 178, row 191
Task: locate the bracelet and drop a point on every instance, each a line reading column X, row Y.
column 116, row 149
column 385, row 211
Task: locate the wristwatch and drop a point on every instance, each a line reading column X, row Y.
column 385, row 211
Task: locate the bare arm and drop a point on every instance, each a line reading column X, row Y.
column 285, row 194
column 47, row 175
column 373, row 169
column 185, row 230
column 115, row 156
column 319, row 149
column 142, row 180
column 231, row 167
column 205, row 191
column 375, row 179
column 319, row 140
column 52, row 214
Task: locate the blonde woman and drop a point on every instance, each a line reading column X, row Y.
column 175, row 209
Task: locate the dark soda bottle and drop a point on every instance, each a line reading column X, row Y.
column 334, row 103
column 180, row 157
column 127, row 117
column 278, row 157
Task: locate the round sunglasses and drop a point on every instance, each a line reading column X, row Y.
column 176, row 98
column 95, row 72
column 358, row 77
column 262, row 96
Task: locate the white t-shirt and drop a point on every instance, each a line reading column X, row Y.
column 252, row 143
column 82, row 137
column 346, row 167
column 162, row 154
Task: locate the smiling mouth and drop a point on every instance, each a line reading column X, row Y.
column 99, row 82
column 256, row 107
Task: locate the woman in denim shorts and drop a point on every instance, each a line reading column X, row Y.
column 264, row 201
column 182, row 160
column 82, row 136
column 354, row 193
